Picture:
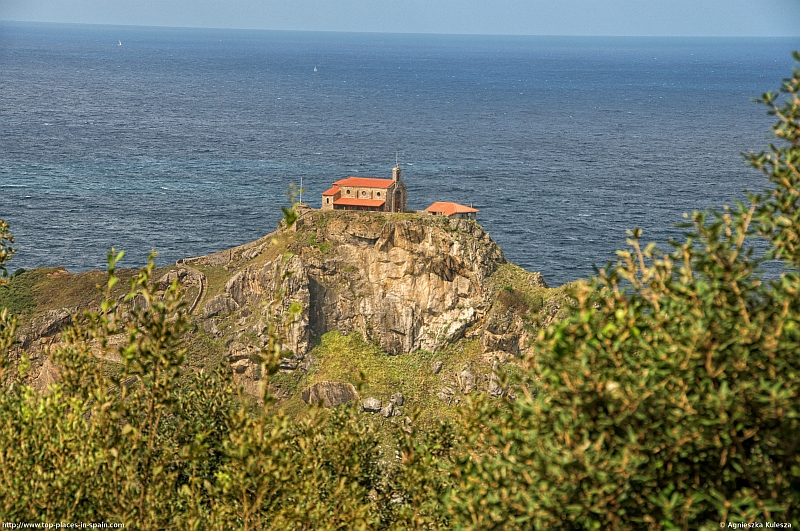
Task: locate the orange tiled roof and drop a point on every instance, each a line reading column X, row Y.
column 365, row 182
column 352, row 201
column 331, row 191
column 448, row 209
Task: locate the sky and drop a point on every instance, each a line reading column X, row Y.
column 499, row 17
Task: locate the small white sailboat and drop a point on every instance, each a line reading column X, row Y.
column 315, row 68
column 120, row 43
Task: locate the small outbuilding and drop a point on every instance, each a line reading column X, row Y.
column 452, row 210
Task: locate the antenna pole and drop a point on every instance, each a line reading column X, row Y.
column 396, row 158
column 301, row 189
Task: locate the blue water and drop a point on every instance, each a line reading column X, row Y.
column 185, row 140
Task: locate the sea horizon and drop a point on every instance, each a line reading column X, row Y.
column 408, row 33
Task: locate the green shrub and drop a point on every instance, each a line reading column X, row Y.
column 669, row 398
column 152, row 447
column 16, row 294
column 6, row 251
column 666, row 399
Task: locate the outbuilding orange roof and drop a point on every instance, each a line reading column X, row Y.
column 331, row 191
column 365, row 182
column 448, row 209
column 352, row 201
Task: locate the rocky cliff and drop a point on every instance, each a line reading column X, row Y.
column 406, row 284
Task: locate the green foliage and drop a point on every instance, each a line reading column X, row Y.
column 8, row 323
column 317, row 473
column 152, row 447
column 778, row 216
column 16, row 293
column 152, row 450
column 666, row 399
column 6, row 251
column 290, row 214
column 350, row 358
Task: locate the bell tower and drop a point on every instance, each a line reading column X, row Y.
column 398, row 198
column 396, row 171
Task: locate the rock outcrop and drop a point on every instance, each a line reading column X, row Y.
column 372, row 405
column 466, row 380
column 406, row 283
column 331, row 394
column 35, row 339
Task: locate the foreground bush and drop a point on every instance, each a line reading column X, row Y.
column 152, row 447
column 668, row 399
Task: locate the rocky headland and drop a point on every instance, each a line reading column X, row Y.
column 394, row 310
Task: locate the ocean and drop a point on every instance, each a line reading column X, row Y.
column 185, row 140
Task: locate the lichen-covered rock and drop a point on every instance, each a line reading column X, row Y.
column 388, row 410
column 418, row 284
column 495, row 388
column 51, row 322
column 219, row 305
column 211, row 328
column 408, row 284
column 371, row 405
column 446, row 394
column 238, row 351
column 398, row 399
column 466, row 380
column 259, row 286
column 288, row 364
column 331, row 394
column 170, row 276
column 240, row 366
column 405, row 283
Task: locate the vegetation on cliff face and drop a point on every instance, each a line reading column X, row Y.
column 381, row 300
column 670, row 396
column 31, row 293
column 666, row 398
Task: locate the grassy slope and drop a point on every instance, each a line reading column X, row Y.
column 349, row 358
column 34, row 292
column 517, row 289
column 337, row 357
